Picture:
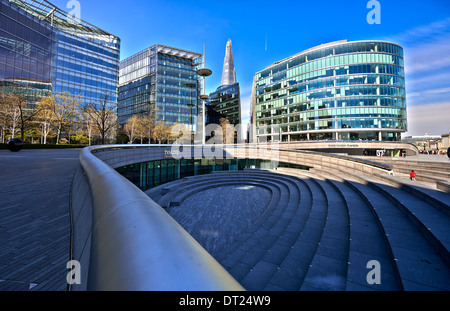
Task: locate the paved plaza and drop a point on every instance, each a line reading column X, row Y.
column 34, row 218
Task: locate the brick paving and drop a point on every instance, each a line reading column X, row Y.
column 34, row 218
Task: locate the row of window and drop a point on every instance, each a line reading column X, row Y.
column 334, row 72
column 87, row 58
column 176, row 72
column 335, row 93
column 89, row 95
column 37, row 34
column 357, row 101
column 12, row 49
column 337, row 61
column 186, row 62
column 363, row 123
column 151, row 174
column 137, row 65
column 130, row 77
column 25, row 70
column 292, row 87
column 329, row 114
column 86, row 70
column 351, row 47
column 93, row 48
column 86, row 82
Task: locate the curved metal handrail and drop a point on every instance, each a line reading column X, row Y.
column 137, row 246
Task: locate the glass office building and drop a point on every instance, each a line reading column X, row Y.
column 43, row 48
column 225, row 102
column 160, row 81
column 337, row 91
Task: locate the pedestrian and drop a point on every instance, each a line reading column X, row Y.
column 412, row 176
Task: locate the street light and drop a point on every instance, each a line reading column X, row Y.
column 203, row 72
column 191, row 105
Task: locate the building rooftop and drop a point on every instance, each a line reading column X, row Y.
column 58, row 18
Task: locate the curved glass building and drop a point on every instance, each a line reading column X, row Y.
column 337, row 91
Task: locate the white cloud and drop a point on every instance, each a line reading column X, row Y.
column 428, row 56
column 432, row 118
column 430, row 92
column 423, row 32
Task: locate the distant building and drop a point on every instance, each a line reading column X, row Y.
column 426, row 142
column 43, row 50
column 445, row 141
column 337, row 91
column 161, row 80
column 225, row 102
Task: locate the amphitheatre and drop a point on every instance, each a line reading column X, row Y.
column 226, row 218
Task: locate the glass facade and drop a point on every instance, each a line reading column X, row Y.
column 224, row 103
column 338, row 91
column 27, row 46
column 151, row 174
column 160, row 79
column 39, row 44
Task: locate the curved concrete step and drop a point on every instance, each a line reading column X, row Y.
column 328, row 269
column 367, row 238
column 428, row 209
column 431, row 222
column 419, row 266
column 176, row 198
column 293, row 270
column 324, row 227
column 275, row 249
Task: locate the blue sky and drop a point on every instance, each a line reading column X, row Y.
column 289, row 27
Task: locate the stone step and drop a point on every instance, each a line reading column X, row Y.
column 328, row 269
column 367, row 242
column 431, row 222
column 291, row 273
column 418, row 264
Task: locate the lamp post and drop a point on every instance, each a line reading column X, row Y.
column 191, row 105
column 204, row 72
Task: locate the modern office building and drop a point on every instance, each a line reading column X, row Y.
column 337, row 91
column 225, row 102
column 160, row 80
column 44, row 48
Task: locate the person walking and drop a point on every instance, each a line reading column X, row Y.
column 412, row 176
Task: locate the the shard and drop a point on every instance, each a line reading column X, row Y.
column 229, row 73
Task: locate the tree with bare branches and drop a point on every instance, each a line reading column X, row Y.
column 62, row 109
column 103, row 114
column 131, row 128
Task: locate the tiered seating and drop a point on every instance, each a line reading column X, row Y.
column 319, row 230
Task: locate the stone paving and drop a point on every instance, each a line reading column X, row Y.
column 34, row 218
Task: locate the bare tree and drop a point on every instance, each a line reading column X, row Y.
column 104, row 117
column 45, row 117
column 131, row 128
column 63, row 108
column 88, row 125
column 162, row 132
